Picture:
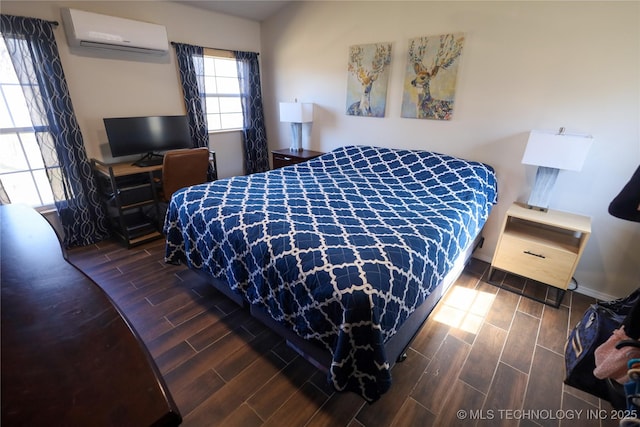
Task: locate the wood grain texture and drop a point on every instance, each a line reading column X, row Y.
column 517, row 351
column 544, row 390
column 69, row 356
column 484, row 357
column 507, row 393
column 214, row 384
column 435, row 385
column 554, row 327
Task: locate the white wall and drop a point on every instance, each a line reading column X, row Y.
column 525, row 65
column 113, row 84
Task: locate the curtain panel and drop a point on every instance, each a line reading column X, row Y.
column 254, row 132
column 191, row 67
column 34, row 54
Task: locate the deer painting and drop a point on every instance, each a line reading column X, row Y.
column 432, row 62
column 367, row 64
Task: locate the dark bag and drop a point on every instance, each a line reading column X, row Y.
column 595, row 327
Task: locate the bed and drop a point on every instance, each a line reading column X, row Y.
column 345, row 255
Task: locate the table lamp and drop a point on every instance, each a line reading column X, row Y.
column 552, row 151
column 296, row 113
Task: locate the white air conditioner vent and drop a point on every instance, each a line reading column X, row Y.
column 89, row 29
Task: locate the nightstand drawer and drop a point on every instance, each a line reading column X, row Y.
column 285, row 157
column 550, row 265
column 281, row 160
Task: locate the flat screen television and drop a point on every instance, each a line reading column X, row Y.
column 147, row 136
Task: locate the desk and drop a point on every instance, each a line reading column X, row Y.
column 129, row 195
column 69, row 357
column 123, row 168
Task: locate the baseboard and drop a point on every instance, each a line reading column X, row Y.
column 594, row 294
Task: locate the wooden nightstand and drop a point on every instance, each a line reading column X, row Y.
column 543, row 246
column 286, row 157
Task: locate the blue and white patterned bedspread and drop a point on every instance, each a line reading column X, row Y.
column 341, row 248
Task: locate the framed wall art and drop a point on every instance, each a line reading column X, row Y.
column 430, row 79
column 368, row 77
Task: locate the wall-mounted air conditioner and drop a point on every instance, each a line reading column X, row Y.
column 89, row 29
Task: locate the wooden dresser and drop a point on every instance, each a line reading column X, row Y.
column 69, row 356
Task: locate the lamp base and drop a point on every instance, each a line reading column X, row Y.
column 541, row 191
column 296, row 137
column 537, row 208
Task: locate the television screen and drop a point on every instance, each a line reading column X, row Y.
column 144, row 135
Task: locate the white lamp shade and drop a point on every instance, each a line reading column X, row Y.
column 555, row 150
column 296, row 112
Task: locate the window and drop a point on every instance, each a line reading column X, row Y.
column 22, row 170
column 222, row 93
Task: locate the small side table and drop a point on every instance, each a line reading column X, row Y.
column 286, row 157
column 543, row 246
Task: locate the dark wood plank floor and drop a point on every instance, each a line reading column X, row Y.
column 485, row 353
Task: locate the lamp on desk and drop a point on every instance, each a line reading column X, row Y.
column 552, row 151
column 296, row 113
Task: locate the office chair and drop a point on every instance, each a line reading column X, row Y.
column 182, row 168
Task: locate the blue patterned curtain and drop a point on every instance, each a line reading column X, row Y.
column 34, row 55
column 191, row 66
column 254, row 133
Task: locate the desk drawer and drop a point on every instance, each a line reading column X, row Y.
column 546, row 264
